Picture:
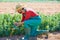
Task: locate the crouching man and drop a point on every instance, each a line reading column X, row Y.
column 31, row 21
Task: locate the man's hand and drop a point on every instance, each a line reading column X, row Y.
column 18, row 23
column 21, row 23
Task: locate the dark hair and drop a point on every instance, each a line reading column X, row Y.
column 23, row 9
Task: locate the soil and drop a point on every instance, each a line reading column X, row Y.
column 51, row 36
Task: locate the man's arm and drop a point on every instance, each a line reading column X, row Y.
column 21, row 23
column 22, row 18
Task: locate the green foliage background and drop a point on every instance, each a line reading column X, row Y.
column 7, row 27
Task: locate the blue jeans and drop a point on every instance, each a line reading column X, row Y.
column 31, row 26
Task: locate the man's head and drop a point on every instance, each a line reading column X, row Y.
column 20, row 9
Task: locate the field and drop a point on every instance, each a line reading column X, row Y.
column 49, row 12
column 49, row 22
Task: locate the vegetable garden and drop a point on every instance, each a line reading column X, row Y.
column 7, row 27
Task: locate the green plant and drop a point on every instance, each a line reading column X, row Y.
column 7, row 27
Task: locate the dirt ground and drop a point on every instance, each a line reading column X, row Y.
column 51, row 36
column 46, row 8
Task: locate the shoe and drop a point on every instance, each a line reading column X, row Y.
column 24, row 38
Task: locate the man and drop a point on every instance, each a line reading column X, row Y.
column 31, row 21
